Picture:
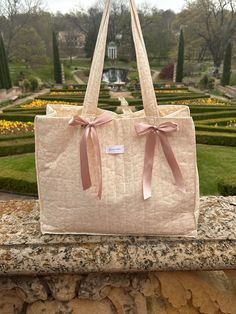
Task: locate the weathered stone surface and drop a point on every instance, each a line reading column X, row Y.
column 196, row 292
column 75, row 306
column 24, row 250
column 30, row 289
column 63, row 287
column 10, row 302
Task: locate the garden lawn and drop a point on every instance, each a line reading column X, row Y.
column 17, row 174
column 214, row 162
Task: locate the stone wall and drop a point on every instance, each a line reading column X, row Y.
column 205, row 292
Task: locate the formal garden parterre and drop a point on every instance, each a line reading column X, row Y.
column 215, row 122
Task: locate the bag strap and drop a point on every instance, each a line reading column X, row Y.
column 146, row 83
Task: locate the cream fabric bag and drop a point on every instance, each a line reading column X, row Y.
column 126, row 195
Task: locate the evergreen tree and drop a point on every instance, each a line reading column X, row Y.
column 225, row 79
column 56, row 60
column 5, row 79
column 180, row 62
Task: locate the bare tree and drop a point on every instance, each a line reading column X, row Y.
column 215, row 22
column 15, row 14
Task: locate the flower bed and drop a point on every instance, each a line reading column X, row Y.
column 65, row 93
column 170, row 91
column 15, row 127
column 201, row 101
column 38, row 103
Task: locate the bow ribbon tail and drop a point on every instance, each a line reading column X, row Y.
column 148, row 164
column 84, row 164
column 170, row 157
column 97, row 152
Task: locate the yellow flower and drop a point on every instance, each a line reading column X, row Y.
column 38, row 103
column 14, row 127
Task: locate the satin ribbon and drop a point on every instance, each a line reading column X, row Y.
column 89, row 130
column 152, row 132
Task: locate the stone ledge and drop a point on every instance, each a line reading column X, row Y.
column 25, row 251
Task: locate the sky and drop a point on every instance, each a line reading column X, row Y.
column 68, row 5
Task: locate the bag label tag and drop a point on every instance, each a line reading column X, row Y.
column 115, row 149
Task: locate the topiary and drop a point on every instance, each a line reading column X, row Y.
column 34, row 83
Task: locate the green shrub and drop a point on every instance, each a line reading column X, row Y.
column 17, row 117
column 18, row 186
column 206, row 108
column 18, row 146
column 80, row 100
column 15, row 137
column 207, row 82
column 5, row 102
column 167, row 95
column 227, row 186
column 26, row 85
column 216, row 138
column 34, row 84
column 214, row 121
column 211, row 128
column 213, row 115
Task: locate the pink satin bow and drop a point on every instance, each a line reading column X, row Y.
column 89, row 129
column 152, row 131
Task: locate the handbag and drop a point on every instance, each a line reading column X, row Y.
column 99, row 172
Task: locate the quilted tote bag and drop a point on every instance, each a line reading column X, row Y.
column 130, row 174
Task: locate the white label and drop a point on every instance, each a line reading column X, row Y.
column 115, row 149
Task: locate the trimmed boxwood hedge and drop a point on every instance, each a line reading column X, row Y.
column 17, row 146
column 76, row 90
column 227, row 186
column 214, row 121
column 211, row 128
column 25, row 110
column 213, row 115
column 18, row 186
column 15, row 137
column 216, row 138
column 78, row 100
column 206, row 108
column 73, row 96
column 17, row 117
column 175, row 97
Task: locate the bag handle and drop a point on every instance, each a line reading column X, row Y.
column 146, row 83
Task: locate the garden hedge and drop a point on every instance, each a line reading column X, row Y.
column 17, row 146
column 78, row 100
column 214, row 121
column 18, row 186
column 15, row 137
column 176, row 97
column 211, row 128
column 73, row 96
column 207, row 108
column 17, row 117
column 227, row 186
column 213, row 115
column 75, row 90
column 19, row 110
column 216, row 138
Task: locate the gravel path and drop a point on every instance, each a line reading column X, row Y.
column 23, row 100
